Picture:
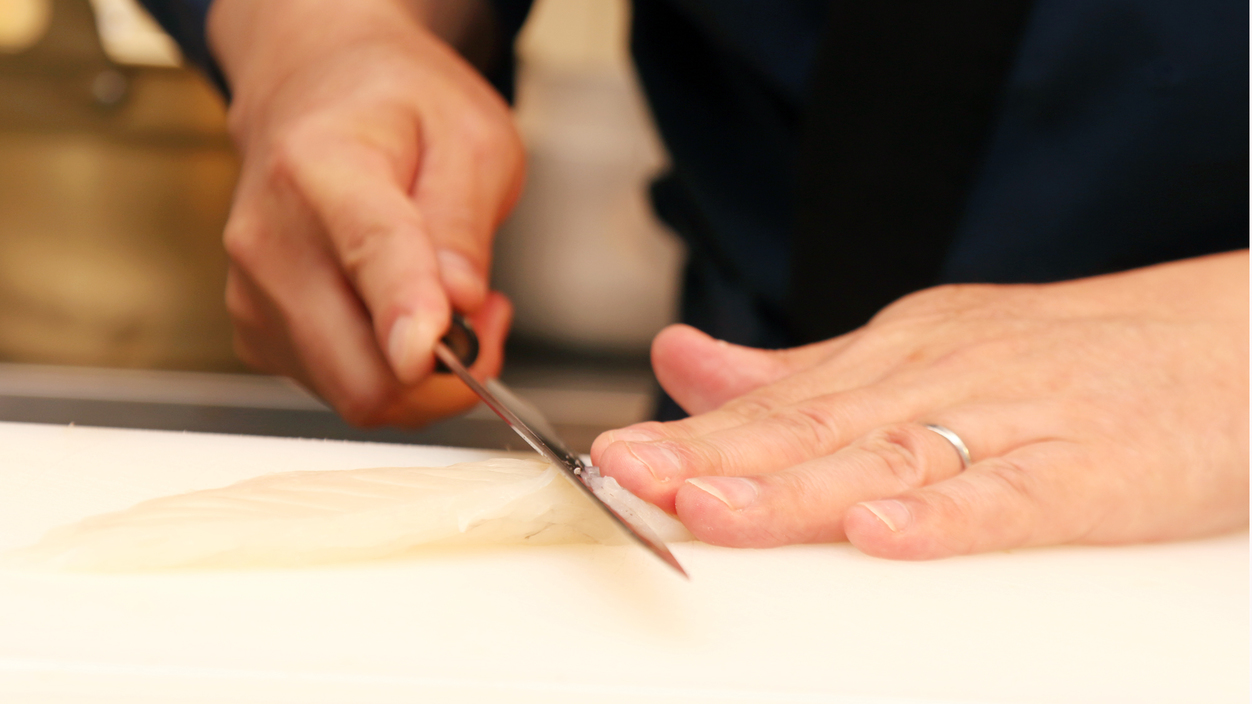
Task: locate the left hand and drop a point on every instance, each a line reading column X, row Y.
column 1105, row 410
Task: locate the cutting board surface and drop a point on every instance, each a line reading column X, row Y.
column 1158, row 623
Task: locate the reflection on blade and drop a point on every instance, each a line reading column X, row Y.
column 529, row 423
column 531, row 417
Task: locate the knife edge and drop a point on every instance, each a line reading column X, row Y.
column 558, row 454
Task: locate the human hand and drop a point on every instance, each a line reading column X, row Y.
column 1104, row 410
column 377, row 165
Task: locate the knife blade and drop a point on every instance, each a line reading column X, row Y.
column 528, row 422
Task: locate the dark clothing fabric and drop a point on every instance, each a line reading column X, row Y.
column 727, row 82
column 902, row 96
column 1122, row 141
column 184, row 20
column 1118, row 139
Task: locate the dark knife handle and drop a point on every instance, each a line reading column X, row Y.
column 463, row 342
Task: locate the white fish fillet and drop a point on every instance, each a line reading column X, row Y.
column 303, row 518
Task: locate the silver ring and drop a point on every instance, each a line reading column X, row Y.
column 956, row 441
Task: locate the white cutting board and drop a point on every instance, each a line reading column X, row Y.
column 1163, row 623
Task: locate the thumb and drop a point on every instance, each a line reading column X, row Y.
column 701, row 373
column 442, row 395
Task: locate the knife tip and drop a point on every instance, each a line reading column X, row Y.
column 669, row 559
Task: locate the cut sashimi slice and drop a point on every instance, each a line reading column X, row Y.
column 304, row 518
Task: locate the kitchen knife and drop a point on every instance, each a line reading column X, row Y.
column 528, row 422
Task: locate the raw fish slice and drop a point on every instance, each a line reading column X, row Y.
column 301, row 518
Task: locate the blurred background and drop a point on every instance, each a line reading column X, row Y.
column 116, row 176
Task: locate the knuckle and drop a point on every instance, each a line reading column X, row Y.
column 247, row 353
column 901, row 448
column 1013, row 497
column 750, row 407
column 284, row 157
column 283, row 166
column 937, row 300
column 241, row 240
column 292, row 147
column 243, row 310
column 814, row 426
column 1011, row 476
column 478, row 130
column 694, row 458
column 489, row 138
column 645, row 431
column 244, row 239
column 363, row 408
column 242, row 315
column 358, row 247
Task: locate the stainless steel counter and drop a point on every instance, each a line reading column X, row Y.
column 582, row 400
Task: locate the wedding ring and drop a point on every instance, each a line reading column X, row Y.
column 956, row 441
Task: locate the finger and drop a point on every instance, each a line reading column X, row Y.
column 335, row 350
column 259, row 252
column 800, row 372
column 438, row 396
column 1043, row 493
column 655, row 470
column 470, row 178
column 858, row 359
column 259, row 335
column 295, row 313
column 380, row 240
column 701, row 372
column 442, row 395
column 806, row 503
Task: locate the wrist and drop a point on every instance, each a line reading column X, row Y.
column 260, row 44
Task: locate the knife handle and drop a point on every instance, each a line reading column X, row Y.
column 463, row 342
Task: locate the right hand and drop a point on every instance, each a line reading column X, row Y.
column 377, row 165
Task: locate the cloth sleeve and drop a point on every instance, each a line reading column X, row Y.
column 184, row 20
column 510, row 15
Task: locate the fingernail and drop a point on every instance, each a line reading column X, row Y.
column 411, row 340
column 422, row 338
column 457, row 272
column 660, row 460
column 398, row 342
column 736, row 492
column 893, row 513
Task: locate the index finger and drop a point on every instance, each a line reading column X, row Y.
column 379, row 238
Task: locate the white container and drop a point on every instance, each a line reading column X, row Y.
column 583, row 258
